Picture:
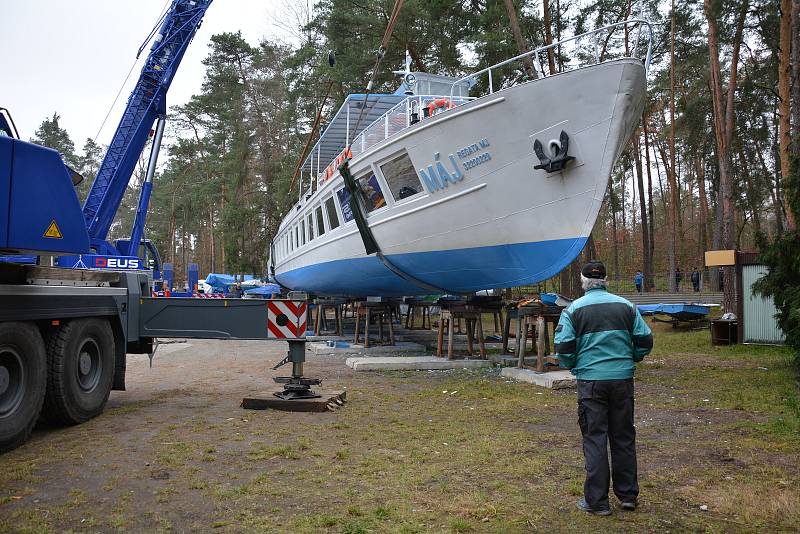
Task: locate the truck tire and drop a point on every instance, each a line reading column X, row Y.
column 80, row 370
column 23, row 378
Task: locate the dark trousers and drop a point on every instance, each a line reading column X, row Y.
column 605, row 415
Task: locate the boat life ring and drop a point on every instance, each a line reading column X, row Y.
column 437, row 104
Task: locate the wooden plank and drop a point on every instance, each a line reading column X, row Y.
column 267, row 400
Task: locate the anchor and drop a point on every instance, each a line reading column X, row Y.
column 559, row 157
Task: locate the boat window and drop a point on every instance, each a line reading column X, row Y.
column 333, row 217
column 310, row 222
column 344, row 202
column 320, row 221
column 302, row 232
column 371, row 192
column 401, row 177
column 297, row 236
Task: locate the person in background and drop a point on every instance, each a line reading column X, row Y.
column 721, row 279
column 678, row 278
column 236, row 291
column 638, row 278
column 696, row 280
column 599, row 337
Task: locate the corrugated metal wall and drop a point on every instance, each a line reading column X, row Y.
column 760, row 325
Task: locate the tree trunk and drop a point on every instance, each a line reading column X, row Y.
column 646, row 262
column 213, row 262
column 795, row 104
column 784, row 107
column 700, row 171
column 720, row 124
column 668, row 213
column 522, row 45
column 673, row 188
column 558, row 34
column 649, row 282
column 614, row 231
column 750, row 192
column 548, row 36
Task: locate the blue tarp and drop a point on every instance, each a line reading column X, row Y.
column 682, row 312
column 269, row 289
column 220, row 282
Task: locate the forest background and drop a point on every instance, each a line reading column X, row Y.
column 713, row 164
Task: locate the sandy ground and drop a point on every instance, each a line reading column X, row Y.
column 410, row 452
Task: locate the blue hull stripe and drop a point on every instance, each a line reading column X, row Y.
column 460, row 270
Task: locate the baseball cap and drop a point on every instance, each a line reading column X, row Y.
column 594, row 269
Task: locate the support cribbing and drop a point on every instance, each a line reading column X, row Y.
column 370, row 244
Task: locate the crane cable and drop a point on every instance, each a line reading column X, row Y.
column 387, row 35
column 133, row 66
column 310, row 136
column 370, row 244
column 398, row 4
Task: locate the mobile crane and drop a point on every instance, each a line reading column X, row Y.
column 65, row 331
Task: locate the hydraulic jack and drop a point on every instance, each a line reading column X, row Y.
column 296, row 386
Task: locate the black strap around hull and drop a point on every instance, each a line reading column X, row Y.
column 370, row 244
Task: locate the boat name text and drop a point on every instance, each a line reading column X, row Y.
column 437, row 176
column 474, row 148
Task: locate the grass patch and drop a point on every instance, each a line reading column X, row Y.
column 444, row 452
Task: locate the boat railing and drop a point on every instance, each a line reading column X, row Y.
column 594, row 37
column 399, row 117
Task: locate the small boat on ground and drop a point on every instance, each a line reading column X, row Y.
column 677, row 312
column 446, row 192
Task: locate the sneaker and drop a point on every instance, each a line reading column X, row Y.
column 584, row 506
column 629, row 505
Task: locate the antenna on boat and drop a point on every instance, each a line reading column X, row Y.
column 409, row 78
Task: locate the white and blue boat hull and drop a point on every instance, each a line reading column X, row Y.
column 490, row 220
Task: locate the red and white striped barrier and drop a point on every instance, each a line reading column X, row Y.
column 286, row 319
column 208, row 295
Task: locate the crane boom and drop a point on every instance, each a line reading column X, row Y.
column 146, row 103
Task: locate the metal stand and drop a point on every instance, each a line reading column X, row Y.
column 296, row 386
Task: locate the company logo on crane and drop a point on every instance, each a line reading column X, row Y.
column 101, row 262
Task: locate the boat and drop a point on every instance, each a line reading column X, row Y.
column 431, row 190
column 685, row 313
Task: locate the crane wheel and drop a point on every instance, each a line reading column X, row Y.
column 80, row 370
column 23, row 379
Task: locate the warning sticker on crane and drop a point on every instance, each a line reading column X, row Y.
column 286, row 319
column 53, row 231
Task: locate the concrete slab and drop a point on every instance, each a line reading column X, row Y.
column 397, row 363
column 509, row 360
column 550, row 379
column 327, row 338
column 399, row 348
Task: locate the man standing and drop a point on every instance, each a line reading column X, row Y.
column 638, row 278
column 696, row 280
column 599, row 337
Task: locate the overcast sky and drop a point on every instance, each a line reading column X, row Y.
column 71, row 57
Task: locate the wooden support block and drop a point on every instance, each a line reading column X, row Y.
column 267, row 400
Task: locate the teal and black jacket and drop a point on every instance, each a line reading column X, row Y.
column 601, row 335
